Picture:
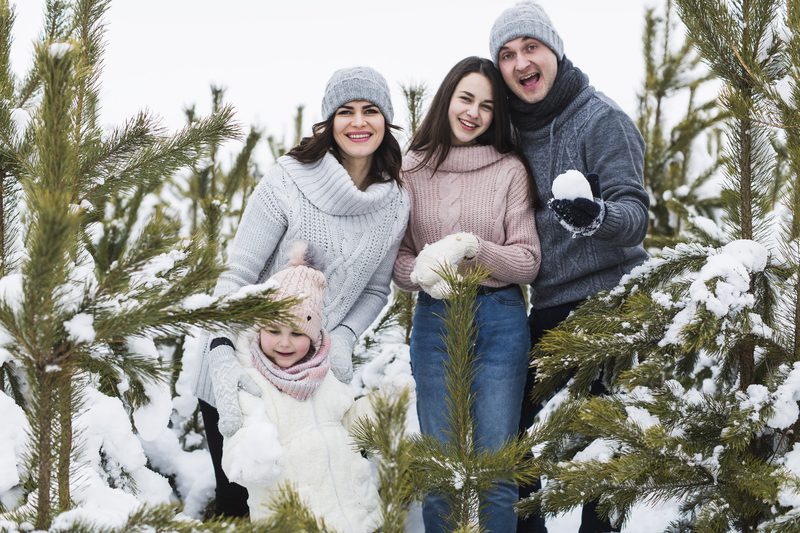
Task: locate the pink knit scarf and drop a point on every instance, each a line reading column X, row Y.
column 299, row 380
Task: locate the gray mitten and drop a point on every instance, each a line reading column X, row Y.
column 341, row 355
column 227, row 377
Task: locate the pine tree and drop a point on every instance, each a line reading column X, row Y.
column 412, row 466
column 92, row 271
column 699, row 345
column 673, row 78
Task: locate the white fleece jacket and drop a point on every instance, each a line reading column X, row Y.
column 317, row 456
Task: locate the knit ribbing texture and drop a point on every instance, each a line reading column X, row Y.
column 594, row 136
column 357, row 232
column 300, row 380
column 478, row 190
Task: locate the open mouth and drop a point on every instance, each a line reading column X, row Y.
column 529, row 80
column 359, row 137
column 467, row 125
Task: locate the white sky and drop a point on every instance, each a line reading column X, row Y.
column 272, row 55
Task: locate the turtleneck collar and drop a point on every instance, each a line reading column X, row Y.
column 327, row 185
column 460, row 159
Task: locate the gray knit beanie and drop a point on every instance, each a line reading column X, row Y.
column 357, row 83
column 525, row 19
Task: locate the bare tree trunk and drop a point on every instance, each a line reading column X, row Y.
column 44, row 446
column 745, row 185
column 65, row 440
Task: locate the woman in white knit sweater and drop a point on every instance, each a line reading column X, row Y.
column 340, row 191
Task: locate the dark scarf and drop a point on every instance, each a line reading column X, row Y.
column 570, row 80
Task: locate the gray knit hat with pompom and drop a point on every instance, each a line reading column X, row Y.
column 357, row 83
column 525, row 19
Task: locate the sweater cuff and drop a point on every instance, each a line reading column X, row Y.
column 612, row 223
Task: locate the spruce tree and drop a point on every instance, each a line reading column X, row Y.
column 92, row 270
column 698, row 346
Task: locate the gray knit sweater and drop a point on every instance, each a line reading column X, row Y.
column 592, row 135
column 359, row 233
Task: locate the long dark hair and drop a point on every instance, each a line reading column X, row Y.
column 434, row 137
column 386, row 160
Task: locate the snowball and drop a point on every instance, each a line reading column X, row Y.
column 571, row 185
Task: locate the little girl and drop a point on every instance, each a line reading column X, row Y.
column 472, row 203
column 297, row 431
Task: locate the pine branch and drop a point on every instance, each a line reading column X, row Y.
column 166, row 156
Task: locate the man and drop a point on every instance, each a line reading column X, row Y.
column 564, row 124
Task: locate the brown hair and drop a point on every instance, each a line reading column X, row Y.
column 386, row 161
column 434, row 137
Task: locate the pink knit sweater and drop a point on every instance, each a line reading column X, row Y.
column 478, row 190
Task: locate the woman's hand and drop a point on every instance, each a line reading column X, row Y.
column 447, row 251
column 227, row 377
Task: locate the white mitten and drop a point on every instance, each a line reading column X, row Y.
column 227, row 377
column 439, row 290
column 341, row 353
column 447, row 251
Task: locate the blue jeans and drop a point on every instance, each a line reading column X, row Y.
column 501, row 364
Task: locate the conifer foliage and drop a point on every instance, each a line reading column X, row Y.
column 88, row 272
column 412, row 466
column 674, row 81
column 698, row 346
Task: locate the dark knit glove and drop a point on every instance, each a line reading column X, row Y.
column 581, row 216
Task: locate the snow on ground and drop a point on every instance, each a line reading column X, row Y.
column 137, row 464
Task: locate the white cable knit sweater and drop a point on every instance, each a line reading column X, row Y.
column 359, row 233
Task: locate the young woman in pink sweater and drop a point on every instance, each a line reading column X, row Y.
column 472, row 203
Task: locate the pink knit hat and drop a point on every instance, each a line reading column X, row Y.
column 301, row 279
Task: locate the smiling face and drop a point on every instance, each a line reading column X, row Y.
column 284, row 346
column 358, row 130
column 528, row 67
column 471, row 109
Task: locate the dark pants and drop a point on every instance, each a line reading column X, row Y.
column 231, row 499
column 539, row 322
